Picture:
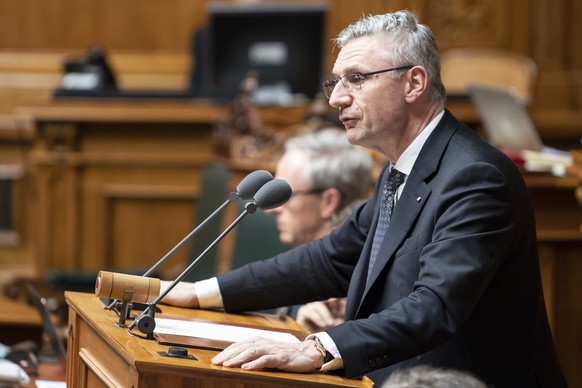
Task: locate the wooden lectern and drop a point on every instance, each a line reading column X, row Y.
column 103, row 354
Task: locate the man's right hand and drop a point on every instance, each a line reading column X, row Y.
column 183, row 295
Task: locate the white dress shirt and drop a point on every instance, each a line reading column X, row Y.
column 208, row 290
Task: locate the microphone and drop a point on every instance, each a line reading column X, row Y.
column 139, row 289
column 271, row 195
column 251, row 183
column 245, row 190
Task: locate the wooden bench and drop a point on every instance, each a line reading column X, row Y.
column 28, row 78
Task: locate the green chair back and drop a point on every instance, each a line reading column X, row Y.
column 214, row 191
column 257, row 238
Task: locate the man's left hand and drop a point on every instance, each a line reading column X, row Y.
column 260, row 353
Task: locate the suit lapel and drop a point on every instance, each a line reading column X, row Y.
column 358, row 282
column 405, row 212
column 415, row 194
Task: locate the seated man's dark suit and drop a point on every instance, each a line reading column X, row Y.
column 456, row 283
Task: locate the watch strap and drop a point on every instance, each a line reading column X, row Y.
column 327, row 356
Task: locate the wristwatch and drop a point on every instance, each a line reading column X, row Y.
column 327, row 356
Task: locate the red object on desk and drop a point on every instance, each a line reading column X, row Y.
column 516, row 157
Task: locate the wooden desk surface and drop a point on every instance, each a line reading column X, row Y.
column 558, row 215
column 18, row 313
column 168, row 111
column 118, row 357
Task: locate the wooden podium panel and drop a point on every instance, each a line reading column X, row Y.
column 102, row 354
column 114, row 182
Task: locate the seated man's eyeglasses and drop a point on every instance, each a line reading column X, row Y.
column 354, row 80
column 309, row 191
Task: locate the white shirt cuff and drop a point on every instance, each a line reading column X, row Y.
column 329, row 345
column 208, row 293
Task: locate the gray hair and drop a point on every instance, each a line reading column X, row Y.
column 424, row 376
column 334, row 162
column 412, row 44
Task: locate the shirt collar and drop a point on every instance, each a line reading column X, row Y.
column 408, row 158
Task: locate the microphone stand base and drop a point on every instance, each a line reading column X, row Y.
column 146, row 322
column 124, row 308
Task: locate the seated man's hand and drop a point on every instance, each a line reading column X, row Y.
column 318, row 316
column 183, row 295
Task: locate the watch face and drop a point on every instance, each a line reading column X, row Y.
column 327, row 356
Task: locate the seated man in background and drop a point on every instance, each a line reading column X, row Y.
column 329, row 177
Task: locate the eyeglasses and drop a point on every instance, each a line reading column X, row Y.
column 309, row 191
column 354, row 80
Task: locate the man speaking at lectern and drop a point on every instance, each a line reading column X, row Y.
column 439, row 267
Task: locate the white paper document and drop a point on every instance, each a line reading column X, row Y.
column 218, row 332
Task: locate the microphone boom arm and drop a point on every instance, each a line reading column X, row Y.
column 200, row 257
column 272, row 194
column 231, row 198
column 146, row 320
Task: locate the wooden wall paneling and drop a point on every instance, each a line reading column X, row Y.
column 11, row 199
column 56, row 215
column 143, row 71
column 69, row 24
column 520, row 22
column 123, row 169
column 23, row 22
column 555, row 92
column 568, row 314
column 553, row 33
column 19, row 211
column 340, row 13
column 16, row 260
column 558, row 215
column 55, row 219
column 149, row 198
column 16, row 242
column 549, row 33
column 468, row 23
column 143, row 223
column 573, row 53
column 91, row 217
column 574, row 33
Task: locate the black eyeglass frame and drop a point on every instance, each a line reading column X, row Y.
column 332, row 83
column 309, row 191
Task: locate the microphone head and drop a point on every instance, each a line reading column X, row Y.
column 251, row 183
column 273, row 194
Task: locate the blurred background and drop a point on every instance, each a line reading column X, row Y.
column 111, row 112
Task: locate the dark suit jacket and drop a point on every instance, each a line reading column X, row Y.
column 456, row 283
